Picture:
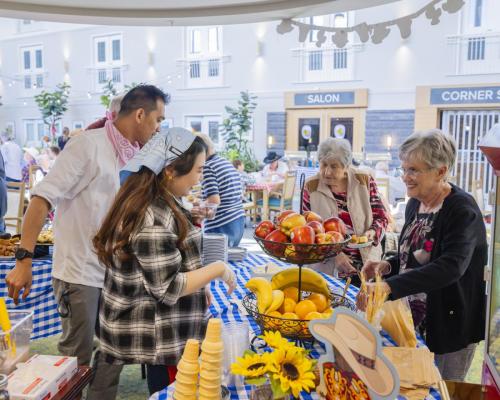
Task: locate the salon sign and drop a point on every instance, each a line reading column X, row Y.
column 323, row 98
column 466, row 95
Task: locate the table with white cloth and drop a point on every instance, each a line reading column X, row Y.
column 228, row 311
column 46, row 321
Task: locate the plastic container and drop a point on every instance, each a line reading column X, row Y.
column 20, row 333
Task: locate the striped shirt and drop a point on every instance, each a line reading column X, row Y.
column 220, row 177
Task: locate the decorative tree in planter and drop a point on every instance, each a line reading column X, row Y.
column 234, row 130
column 109, row 91
column 53, row 105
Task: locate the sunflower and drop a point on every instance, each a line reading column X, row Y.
column 251, row 365
column 292, row 370
column 275, row 340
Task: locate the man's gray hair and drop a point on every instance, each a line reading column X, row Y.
column 208, row 142
column 433, row 147
column 337, row 149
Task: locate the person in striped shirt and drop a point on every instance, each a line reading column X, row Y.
column 222, row 185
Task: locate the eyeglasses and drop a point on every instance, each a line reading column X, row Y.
column 64, row 307
column 412, row 172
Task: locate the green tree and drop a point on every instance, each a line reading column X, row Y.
column 234, row 130
column 109, row 91
column 53, row 105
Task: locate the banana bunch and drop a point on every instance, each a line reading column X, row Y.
column 312, row 281
column 263, row 291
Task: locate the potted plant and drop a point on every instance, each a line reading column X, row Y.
column 234, row 130
column 53, row 105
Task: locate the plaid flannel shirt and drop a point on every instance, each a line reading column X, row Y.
column 142, row 317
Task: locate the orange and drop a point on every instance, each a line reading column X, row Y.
column 290, row 315
column 304, row 307
column 327, row 313
column 314, row 315
column 287, row 306
column 292, row 293
column 319, row 300
column 275, row 314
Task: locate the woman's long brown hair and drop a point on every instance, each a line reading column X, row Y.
column 127, row 213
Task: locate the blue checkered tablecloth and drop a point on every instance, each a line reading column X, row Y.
column 222, row 307
column 41, row 300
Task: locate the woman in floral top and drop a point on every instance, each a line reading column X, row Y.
column 340, row 190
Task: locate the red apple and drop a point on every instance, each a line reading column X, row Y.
column 279, row 239
column 312, row 216
column 334, row 224
column 292, row 221
column 302, row 235
column 281, row 216
column 264, row 229
column 337, row 237
column 317, row 227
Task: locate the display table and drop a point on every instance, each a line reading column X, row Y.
column 46, row 320
column 229, row 309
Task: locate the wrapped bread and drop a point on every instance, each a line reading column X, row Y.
column 398, row 323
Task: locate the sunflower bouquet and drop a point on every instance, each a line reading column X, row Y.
column 286, row 367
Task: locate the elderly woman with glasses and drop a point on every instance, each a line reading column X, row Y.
column 339, row 190
column 442, row 254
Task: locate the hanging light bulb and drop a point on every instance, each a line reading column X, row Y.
column 433, row 14
column 89, row 95
column 340, row 39
column 321, row 38
column 303, row 32
column 380, row 32
column 404, row 25
column 284, row 27
column 452, row 6
column 363, row 32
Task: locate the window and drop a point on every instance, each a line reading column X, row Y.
column 195, row 42
column 315, row 60
column 478, row 12
column 203, row 56
column 108, row 60
column 339, row 58
column 213, row 67
column 475, row 49
column 31, row 66
column 34, row 130
column 77, row 125
column 194, row 69
column 208, row 124
column 213, row 40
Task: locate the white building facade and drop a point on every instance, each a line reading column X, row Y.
column 394, row 86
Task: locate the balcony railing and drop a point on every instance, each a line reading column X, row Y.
column 475, row 54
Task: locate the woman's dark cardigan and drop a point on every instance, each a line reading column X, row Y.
column 454, row 277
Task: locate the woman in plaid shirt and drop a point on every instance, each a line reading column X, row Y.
column 154, row 295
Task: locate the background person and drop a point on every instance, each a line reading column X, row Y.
column 13, row 158
column 274, row 166
column 340, row 190
column 222, row 185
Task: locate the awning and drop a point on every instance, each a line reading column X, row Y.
column 175, row 12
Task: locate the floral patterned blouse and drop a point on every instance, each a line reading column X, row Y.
column 415, row 250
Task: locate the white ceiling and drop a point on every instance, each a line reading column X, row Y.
column 174, row 12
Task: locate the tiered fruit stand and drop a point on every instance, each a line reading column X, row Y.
column 300, row 255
